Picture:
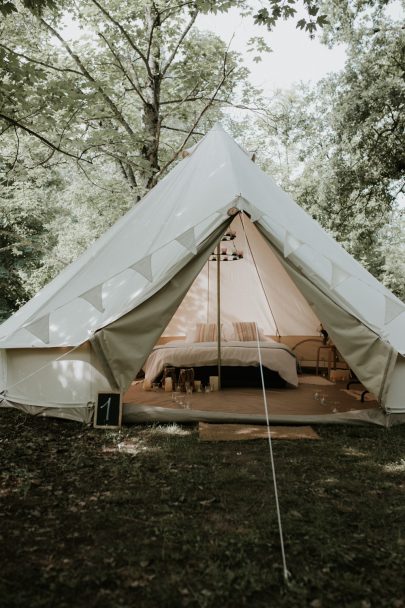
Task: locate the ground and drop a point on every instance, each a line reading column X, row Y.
column 151, row 517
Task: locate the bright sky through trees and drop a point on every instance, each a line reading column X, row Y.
column 295, row 56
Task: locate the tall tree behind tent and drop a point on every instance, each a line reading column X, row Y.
column 338, row 146
column 109, row 107
column 133, row 87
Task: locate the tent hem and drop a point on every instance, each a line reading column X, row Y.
column 138, row 413
column 78, row 412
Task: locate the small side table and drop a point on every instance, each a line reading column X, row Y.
column 332, row 357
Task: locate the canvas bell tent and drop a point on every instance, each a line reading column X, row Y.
column 93, row 326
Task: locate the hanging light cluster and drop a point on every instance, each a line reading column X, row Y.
column 230, row 235
column 226, row 255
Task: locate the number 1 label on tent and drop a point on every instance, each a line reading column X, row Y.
column 107, row 405
column 108, row 411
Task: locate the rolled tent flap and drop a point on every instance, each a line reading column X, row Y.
column 370, row 358
column 123, row 346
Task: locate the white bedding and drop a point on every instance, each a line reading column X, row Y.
column 275, row 356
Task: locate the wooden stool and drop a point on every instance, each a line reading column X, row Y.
column 332, row 357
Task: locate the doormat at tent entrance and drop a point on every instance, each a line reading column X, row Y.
column 246, row 432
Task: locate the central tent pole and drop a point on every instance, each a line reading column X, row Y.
column 219, row 312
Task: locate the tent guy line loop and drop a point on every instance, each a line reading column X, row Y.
column 286, row 573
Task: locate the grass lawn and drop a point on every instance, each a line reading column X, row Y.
column 148, row 516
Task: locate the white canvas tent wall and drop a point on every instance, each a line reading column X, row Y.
column 255, row 287
column 92, row 327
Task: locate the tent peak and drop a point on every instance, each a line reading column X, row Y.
column 217, row 127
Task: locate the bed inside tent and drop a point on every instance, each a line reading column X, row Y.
column 244, row 289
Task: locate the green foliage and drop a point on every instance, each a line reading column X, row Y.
column 343, row 18
column 391, row 249
column 84, row 211
column 364, row 110
column 258, row 45
column 338, row 148
column 286, row 9
column 25, row 238
column 109, row 112
column 89, row 125
column 7, row 7
column 132, row 89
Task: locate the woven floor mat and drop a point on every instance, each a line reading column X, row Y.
column 243, row 432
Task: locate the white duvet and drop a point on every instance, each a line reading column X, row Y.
column 275, row 356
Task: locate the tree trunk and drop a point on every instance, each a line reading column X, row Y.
column 151, row 119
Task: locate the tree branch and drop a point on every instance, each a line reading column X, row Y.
column 46, row 65
column 156, row 21
column 90, row 78
column 126, row 36
column 25, row 243
column 174, row 9
column 45, row 141
column 181, row 101
column 95, row 183
column 180, row 41
column 9, row 126
column 123, row 70
column 181, row 130
column 402, row 189
column 201, row 114
column 132, row 178
column 48, row 158
column 239, row 106
column 17, row 151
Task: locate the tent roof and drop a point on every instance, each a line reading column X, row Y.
column 148, row 245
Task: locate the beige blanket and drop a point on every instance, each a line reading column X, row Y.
column 275, row 356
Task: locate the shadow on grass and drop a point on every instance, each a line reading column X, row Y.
column 148, row 516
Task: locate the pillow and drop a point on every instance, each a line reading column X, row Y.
column 246, row 331
column 206, row 332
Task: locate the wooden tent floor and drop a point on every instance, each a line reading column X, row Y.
column 285, row 401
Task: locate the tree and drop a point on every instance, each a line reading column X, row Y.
column 366, row 123
column 143, row 73
column 392, row 251
column 7, row 7
column 108, row 113
column 342, row 143
column 25, row 237
column 138, row 46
